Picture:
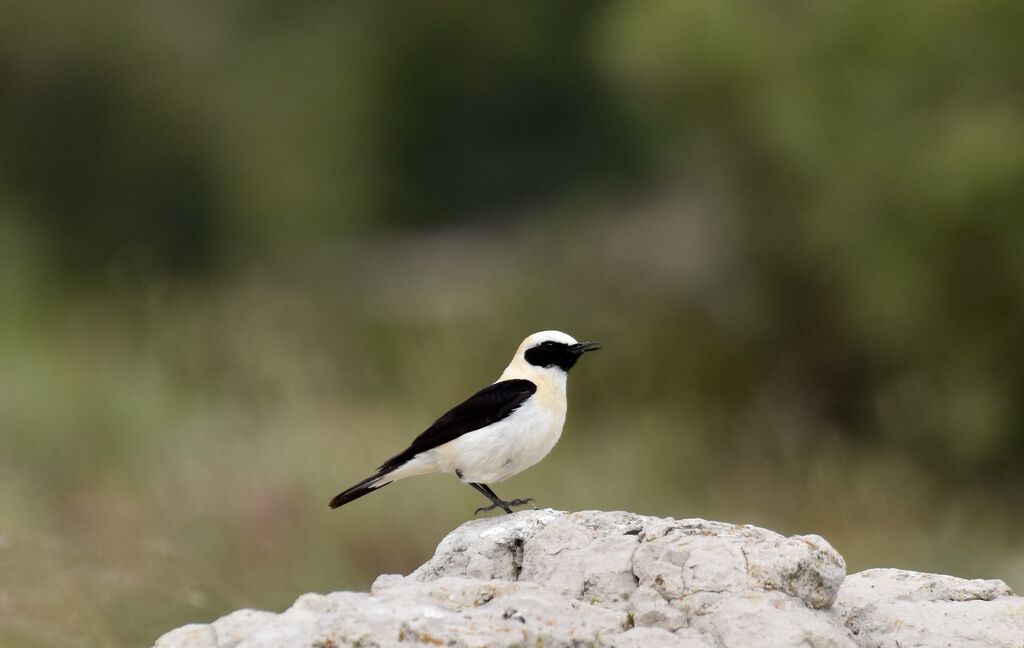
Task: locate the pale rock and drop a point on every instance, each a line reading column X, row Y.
column 549, row 578
column 893, row 608
column 764, row 618
column 645, row 637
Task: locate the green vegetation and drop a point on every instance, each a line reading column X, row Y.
column 250, row 249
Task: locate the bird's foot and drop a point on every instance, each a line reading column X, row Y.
column 505, row 506
column 484, row 509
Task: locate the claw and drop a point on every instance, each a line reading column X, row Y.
column 505, row 506
column 484, row 509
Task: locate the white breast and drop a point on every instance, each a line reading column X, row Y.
column 509, row 446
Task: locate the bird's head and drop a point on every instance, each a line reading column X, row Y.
column 550, row 351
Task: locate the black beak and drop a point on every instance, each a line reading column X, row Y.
column 583, row 347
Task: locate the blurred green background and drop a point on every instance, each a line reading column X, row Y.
column 250, row 249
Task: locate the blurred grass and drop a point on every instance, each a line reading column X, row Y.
column 249, row 250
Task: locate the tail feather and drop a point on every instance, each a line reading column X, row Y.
column 364, row 487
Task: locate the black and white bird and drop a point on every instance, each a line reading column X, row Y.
column 500, row 431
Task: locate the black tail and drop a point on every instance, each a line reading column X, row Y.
column 368, row 485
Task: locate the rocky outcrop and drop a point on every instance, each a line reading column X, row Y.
column 549, row 578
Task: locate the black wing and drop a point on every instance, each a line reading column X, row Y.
column 489, row 405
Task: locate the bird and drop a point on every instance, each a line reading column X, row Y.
column 496, row 433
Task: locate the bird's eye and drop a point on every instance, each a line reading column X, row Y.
column 548, row 345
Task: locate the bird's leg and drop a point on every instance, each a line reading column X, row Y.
column 496, row 502
column 489, row 494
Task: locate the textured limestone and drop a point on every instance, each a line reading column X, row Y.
column 893, row 608
column 549, row 578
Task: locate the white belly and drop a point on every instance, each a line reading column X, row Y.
column 505, row 448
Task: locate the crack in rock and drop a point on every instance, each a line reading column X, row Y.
column 517, row 558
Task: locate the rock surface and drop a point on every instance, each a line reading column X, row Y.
column 549, row 578
column 892, row 608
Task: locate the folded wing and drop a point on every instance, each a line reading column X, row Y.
column 489, row 405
